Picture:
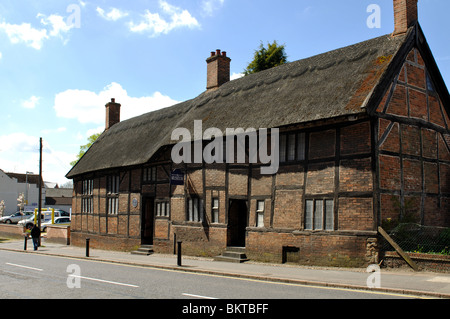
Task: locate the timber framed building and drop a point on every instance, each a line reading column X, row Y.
column 364, row 137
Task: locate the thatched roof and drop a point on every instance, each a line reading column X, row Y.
column 329, row 85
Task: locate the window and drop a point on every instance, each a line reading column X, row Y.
column 319, row 214
column 112, row 194
column 292, row 147
column 430, row 86
column 150, row 174
column 260, row 213
column 87, row 198
column 282, row 148
column 215, row 210
column 163, row 209
column 195, row 209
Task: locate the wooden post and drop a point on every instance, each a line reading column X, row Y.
column 398, row 249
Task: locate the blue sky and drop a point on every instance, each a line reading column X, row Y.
column 62, row 61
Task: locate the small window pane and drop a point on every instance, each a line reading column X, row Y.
column 309, row 214
column 282, row 148
column 260, row 213
column 195, row 209
column 200, row 210
column 329, row 214
column 190, row 210
column 291, row 147
column 301, row 146
column 260, row 207
column 260, row 221
column 430, row 86
column 318, row 213
column 215, row 210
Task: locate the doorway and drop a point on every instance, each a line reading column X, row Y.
column 237, row 223
column 147, row 222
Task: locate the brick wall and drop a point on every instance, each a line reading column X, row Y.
column 321, row 249
column 322, row 172
column 413, row 158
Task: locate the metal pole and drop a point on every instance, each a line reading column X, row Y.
column 25, row 243
column 87, row 246
column 179, row 253
column 40, row 188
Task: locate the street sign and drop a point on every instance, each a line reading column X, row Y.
column 177, row 177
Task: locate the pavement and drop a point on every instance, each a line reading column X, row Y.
column 402, row 282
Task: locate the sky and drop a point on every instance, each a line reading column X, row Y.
column 61, row 61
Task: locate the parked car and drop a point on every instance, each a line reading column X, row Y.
column 61, row 221
column 16, row 217
column 46, row 216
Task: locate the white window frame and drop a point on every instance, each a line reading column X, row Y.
column 163, row 208
column 319, row 214
column 195, row 211
column 260, row 209
column 215, row 210
column 87, row 196
column 112, row 194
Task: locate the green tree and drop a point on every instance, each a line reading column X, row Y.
column 266, row 58
column 84, row 148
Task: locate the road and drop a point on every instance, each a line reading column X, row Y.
column 30, row 276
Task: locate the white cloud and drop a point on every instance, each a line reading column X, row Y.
column 31, row 102
column 48, row 131
column 19, row 142
column 24, row 33
column 210, row 6
column 57, row 23
column 172, row 18
column 54, row 26
column 235, row 76
column 89, row 107
column 1, row 55
column 19, row 153
column 95, row 131
column 113, row 15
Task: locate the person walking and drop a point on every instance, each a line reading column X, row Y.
column 35, row 235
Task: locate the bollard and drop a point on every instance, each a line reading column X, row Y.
column 87, row 246
column 179, row 253
column 25, row 243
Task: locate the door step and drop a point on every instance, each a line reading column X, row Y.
column 233, row 255
column 145, row 250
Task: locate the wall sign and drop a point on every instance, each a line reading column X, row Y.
column 177, row 177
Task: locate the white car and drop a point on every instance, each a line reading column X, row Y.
column 16, row 217
column 46, row 216
column 61, row 221
column 29, row 223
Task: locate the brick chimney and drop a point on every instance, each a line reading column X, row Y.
column 405, row 15
column 112, row 114
column 218, row 70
